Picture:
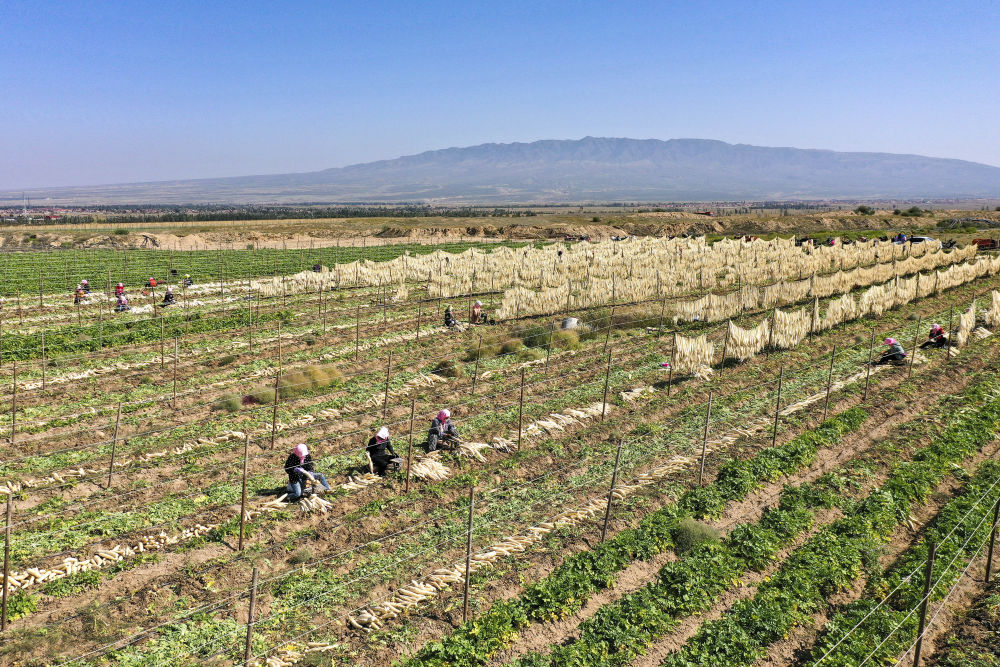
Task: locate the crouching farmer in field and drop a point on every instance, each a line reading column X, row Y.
column 449, row 318
column 299, row 466
column 479, row 316
column 381, row 452
column 937, row 338
column 442, row 431
column 894, row 353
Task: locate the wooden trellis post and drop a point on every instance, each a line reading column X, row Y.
column 250, row 614
column 913, row 350
column 468, row 555
column 868, row 372
column 611, row 491
column 279, row 347
column 357, row 332
column 725, row 347
column 409, row 450
column 44, row 360
column 548, row 350
column 13, row 406
column 274, row 410
column 928, row 578
column 243, row 501
column 114, row 443
column 777, row 406
column 607, row 379
column 993, row 539
column 385, row 400
column 829, row 382
column 175, row 372
column 770, row 337
column 520, row 411
column 947, row 348
column 249, row 324
column 670, row 371
column 611, row 323
column 704, row 440
column 475, row 372
column 6, row 560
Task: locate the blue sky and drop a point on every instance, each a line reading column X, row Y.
column 106, row 92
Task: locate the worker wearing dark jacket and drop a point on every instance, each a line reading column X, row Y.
column 299, row 466
column 936, row 338
column 380, row 450
column 441, row 430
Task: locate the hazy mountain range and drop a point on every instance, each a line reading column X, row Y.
column 590, row 169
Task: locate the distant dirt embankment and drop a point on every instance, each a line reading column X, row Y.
column 301, row 234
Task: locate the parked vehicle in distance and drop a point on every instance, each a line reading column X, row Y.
column 925, row 239
column 987, row 244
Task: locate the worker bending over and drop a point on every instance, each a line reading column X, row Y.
column 894, row 352
column 937, row 338
column 381, row 452
column 300, row 468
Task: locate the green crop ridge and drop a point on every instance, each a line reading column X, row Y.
column 566, row 588
column 621, row 631
column 23, row 269
column 839, row 553
column 93, row 337
column 968, row 515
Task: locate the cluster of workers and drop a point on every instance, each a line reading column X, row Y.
column 442, row 433
column 121, row 299
column 301, row 469
column 894, row 353
column 476, row 316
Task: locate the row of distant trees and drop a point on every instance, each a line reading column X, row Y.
column 912, row 212
column 114, row 215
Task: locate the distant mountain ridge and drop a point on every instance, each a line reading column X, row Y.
column 588, row 169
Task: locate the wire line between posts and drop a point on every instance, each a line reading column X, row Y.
column 903, row 581
column 342, row 435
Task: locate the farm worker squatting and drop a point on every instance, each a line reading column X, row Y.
column 381, row 452
column 300, row 467
column 442, row 430
column 894, row 352
column 449, row 318
column 936, row 338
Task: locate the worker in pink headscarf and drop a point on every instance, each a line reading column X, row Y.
column 894, row 352
column 383, row 456
column 442, row 431
column 936, row 338
column 300, row 468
